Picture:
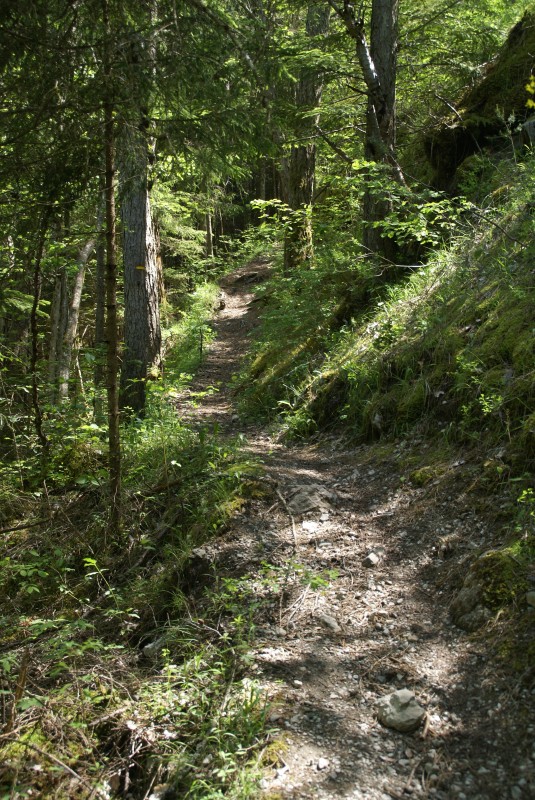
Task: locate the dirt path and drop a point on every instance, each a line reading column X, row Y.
column 336, row 635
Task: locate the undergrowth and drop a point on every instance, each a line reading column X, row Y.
column 185, row 341
column 116, row 673
column 448, row 346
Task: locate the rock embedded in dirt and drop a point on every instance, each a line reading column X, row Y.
column 530, row 598
column 199, row 568
column 329, row 622
column 400, row 711
column 323, row 763
column 302, row 498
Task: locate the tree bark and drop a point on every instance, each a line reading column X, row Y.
column 100, row 325
column 142, row 334
column 34, row 333
column 58, row 322
column 381, row 122
column 209, row 235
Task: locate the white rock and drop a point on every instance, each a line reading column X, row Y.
column 153, row 650
column 400, row 711
column 323, row 763
column 371, row 560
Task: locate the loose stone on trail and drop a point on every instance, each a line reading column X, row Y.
column 400, row 711
column 371, row 560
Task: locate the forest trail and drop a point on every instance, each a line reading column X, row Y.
column 350, row 571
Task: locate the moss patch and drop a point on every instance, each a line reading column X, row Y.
column 503, row 574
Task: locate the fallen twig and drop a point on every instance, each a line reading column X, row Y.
column 298, row 604
column 106, row 717
column 24, row 525
column 411, row 777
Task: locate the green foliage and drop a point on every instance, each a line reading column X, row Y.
column 450, row 347
column 530, row 89
column 298, row 326
column 185, row 341
column 84, row 603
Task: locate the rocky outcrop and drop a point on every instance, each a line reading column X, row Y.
column 485, row 110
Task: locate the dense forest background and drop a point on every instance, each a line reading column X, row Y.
column 379, row 154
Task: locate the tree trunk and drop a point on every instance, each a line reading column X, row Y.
column 378, row 64
column 209, row 235
column 34, row 331
column 100, row 324
column 58, row 323
column 142, row 335
column 114, row 438
column 381, row 121
column 64, row 367
column 299, row 168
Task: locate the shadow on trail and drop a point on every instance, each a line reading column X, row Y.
column 394, row 630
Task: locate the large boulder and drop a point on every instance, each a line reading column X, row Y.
column 484, row 111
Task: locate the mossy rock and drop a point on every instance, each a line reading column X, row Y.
column 502, row 577
column 483, row 111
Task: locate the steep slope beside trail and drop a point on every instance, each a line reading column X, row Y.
column 348, row 568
